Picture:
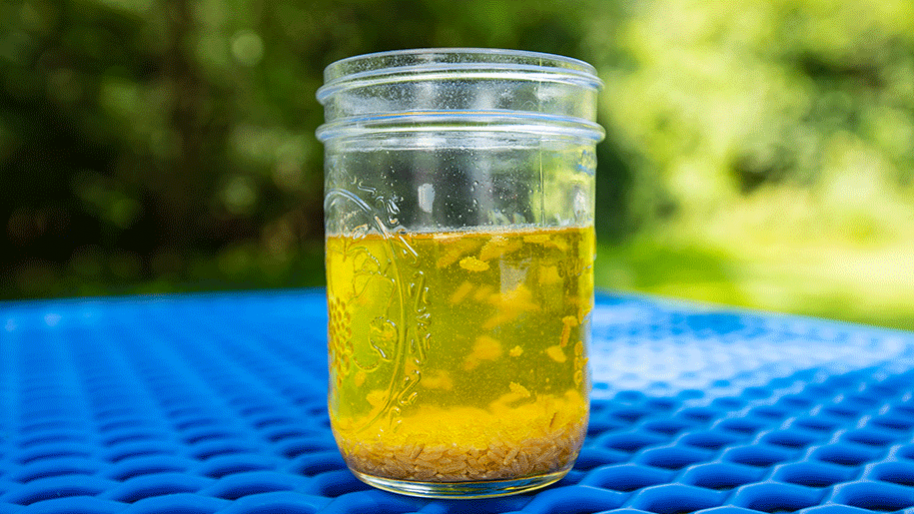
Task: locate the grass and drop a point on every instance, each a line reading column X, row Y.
column 870, row 284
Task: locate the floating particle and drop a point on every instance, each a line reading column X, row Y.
column 473, row 264
column 485, row 349
column 511, row 304
column 460, row 293
column 438, row 380
column 516, row 351
column 454, row 247
column 567, row 322
column 484, row 293
column 536, row 238
column 555, row 353
column 376, row 397
column 497, row 247
column 519, row 390
column 585, row 309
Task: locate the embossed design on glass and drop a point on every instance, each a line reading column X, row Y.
column 460, row 246
column 375, row 274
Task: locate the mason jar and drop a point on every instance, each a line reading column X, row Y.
column 459, row 216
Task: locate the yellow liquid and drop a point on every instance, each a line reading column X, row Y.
column 460, row 356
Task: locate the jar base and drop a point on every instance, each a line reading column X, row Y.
column 461, row 490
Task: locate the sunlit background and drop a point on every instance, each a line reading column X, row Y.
column 759, row 153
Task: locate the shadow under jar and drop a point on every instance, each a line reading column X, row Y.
column 459, row 210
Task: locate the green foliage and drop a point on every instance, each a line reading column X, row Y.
column 718, row 103
column 772, row 143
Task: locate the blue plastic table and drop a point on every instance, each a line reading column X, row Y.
column 216, row 404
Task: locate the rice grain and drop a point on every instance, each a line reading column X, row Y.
column 452, row 463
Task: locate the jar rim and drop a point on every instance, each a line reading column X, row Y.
column 392, row 59
column 425, row 63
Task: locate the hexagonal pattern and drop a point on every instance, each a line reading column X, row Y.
column 216, row 404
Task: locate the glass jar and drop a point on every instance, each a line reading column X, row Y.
column 459, row 211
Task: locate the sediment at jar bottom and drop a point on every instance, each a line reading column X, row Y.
column 470, row 444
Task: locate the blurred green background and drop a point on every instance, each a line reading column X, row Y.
column 759, row 153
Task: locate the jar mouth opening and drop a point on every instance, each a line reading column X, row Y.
column 432, row 57
column 451, row 63
column 456, row 122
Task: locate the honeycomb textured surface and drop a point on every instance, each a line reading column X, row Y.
column 216, row 404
